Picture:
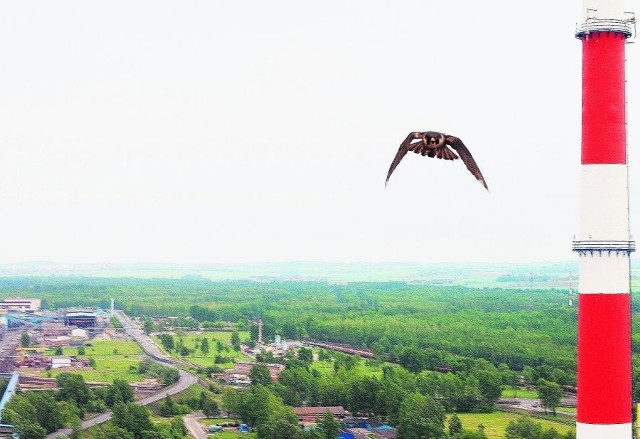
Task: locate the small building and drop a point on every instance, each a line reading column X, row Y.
column 60, row 361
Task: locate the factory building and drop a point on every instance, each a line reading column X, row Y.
column 20, row 304
column 81, row 319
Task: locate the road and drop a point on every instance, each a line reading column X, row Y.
column 194, row 427
column 185, row 379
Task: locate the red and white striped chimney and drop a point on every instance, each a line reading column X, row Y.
column 604, row 244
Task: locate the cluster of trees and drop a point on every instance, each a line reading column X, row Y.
column 272, row 419
column 525, row 428
column 209, row 406
column 415, row 403
column 381, row 397
column 474, row 388
column 133, row 421
column 35, row 414
column 166, row 375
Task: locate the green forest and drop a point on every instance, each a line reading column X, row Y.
column 424, row 326
column 421, row 327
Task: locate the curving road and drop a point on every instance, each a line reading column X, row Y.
column 185, row 379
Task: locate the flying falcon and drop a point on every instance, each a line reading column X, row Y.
column 434, row 144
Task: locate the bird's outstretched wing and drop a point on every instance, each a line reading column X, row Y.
column 467, row 158
column 402, row 151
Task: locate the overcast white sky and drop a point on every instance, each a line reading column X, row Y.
column 211, row 131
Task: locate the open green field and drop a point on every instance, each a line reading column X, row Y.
column 190, row 339
column 114, row 358
column 361, row 369
column 508, row 392
column 495, row 423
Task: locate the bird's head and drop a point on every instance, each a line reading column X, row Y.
column 433, row 139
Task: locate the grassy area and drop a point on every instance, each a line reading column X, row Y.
column 363, row 368
column 228, row 432
column 193, row 339
column 508, row 392
column 495, row 423
column 114, row 359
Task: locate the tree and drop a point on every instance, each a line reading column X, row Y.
column 73, row 388
column 324, row 355
column 25, row 340
column 177, row 428
column 523, row 428
column 168, row 408
column 300, row 385
column 362, row 391
column 305, row 355
column 113, row 432
column 329, row 425
column 204, row 346
column 490, row 383
column 57, row 350
column 412, row 359
column 210, row 407
column 31, row 430
column 167, row 342
column 279, row 429
column 550, row 394
column 81, row 350
column 154, row 434
column 455, row 426
column 233, row 401
column 260, row 374
column 47, row 412
column 235, row 340
column 71, row 414
column 33, row 413
column 133, row 418
column 147, row 326
column 420, row 417
column 118, row 391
